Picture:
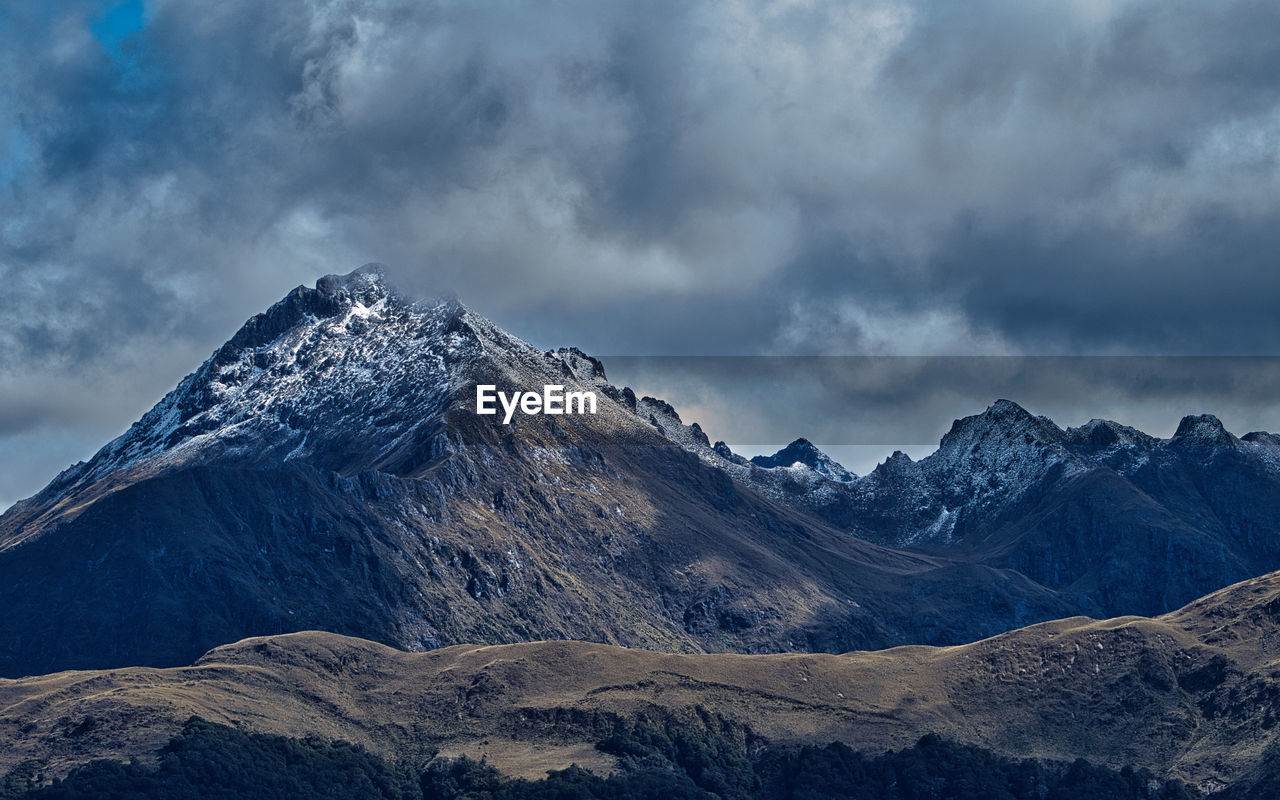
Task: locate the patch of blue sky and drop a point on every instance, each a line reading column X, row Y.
column 15, row 156
column 117, row 23
column 117, row 30
column 115, row 27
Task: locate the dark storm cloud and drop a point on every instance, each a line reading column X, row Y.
column 716, row 177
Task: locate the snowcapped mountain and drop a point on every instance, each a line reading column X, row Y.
column 802, row 454
column 347, row 376
column 325, row 469
column 1123, row 521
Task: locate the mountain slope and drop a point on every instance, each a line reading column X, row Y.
column 1192, row 694
column 325, row 469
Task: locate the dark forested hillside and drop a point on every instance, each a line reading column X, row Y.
column 656, row 762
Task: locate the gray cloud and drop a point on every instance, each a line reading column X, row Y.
column 740, row 177
column 861, row 408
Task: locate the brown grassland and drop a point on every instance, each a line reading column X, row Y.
column 1191, row 694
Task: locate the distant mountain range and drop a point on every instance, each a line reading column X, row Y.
column 325, row 469
column 1113, row 520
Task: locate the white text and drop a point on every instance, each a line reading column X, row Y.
column 552, row 400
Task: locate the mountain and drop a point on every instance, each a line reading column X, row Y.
column 1192, row 694
column 394, row 569
column 325, row 469
column 803, row 454
column 1112, row 519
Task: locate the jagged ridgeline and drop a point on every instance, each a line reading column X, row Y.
column 325, row 469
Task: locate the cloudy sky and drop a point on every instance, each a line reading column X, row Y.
column 1059, row 179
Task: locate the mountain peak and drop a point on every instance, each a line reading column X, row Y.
column 1261, row 437
column 361, row 293
column 802, row 451
column 367, row 283
column 1202, row 429
column 1004, row 422
column 330, row 375
column 898, row 463
column 1103, row 434
column 1002, row 413
column 1004, row 405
